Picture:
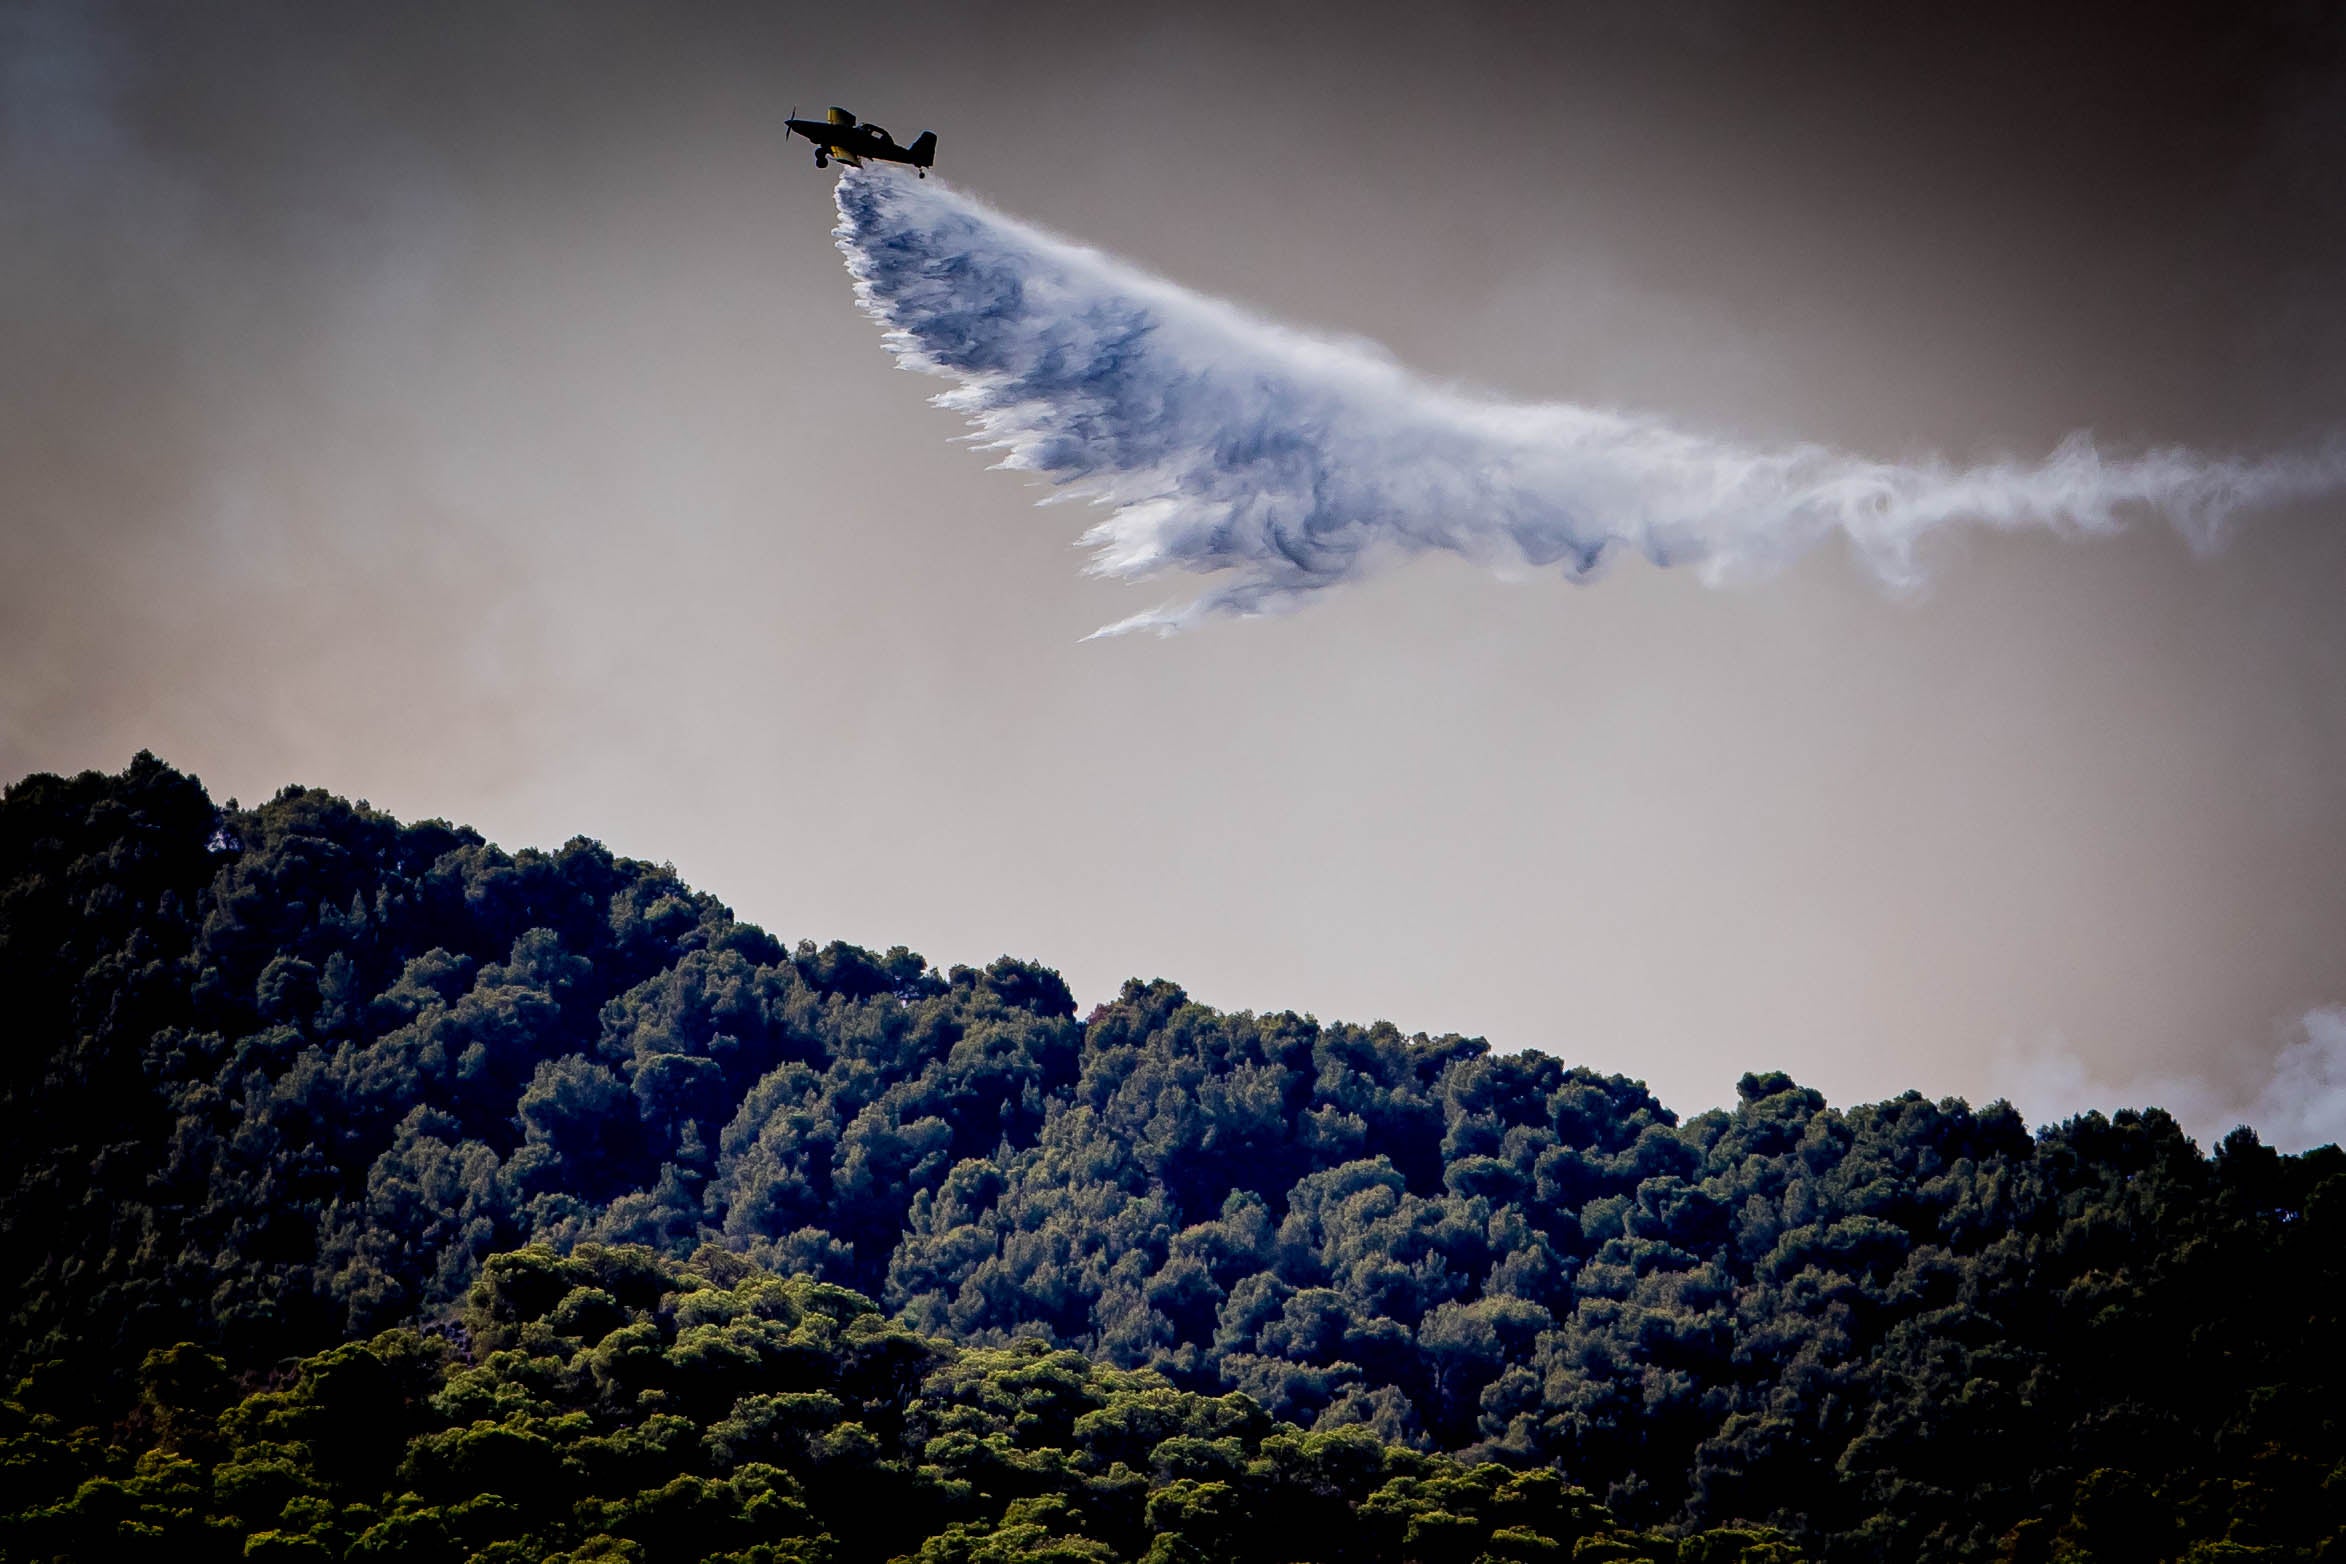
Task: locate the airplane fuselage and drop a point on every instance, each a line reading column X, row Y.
column 852, row 143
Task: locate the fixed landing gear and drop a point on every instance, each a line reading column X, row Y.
column 822, row 160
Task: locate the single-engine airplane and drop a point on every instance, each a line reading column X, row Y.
column 842, row 137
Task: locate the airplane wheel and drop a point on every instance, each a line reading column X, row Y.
column 822, row 161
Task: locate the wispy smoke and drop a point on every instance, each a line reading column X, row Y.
column 2300, row 1102
column 1286, row 464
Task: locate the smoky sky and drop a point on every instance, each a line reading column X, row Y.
column 465, row 408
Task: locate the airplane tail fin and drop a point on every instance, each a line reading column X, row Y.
column 924, row 149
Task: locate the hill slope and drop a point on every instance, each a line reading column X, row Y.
column 285, row 1076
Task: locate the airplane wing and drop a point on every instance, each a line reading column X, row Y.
column 842, row 117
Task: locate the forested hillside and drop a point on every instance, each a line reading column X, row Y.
column 282, row 1078
column 613, row 1405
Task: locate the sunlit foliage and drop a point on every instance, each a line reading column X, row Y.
column 614, row 1404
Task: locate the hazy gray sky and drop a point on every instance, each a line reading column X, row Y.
column 465, row 408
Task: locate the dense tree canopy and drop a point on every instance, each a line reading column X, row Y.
column 283, row 1078
column 613, row 1404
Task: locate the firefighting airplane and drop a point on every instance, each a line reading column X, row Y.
column 843, row 138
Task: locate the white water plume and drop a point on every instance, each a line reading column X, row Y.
column 1285, row 464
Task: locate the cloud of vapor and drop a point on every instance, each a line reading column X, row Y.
column 1285, row 464
column 2300, row 1103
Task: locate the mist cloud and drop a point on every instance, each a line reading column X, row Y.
column 1285, row 464
column 2299, row 1103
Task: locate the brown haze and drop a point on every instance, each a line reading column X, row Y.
column 465, row 408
